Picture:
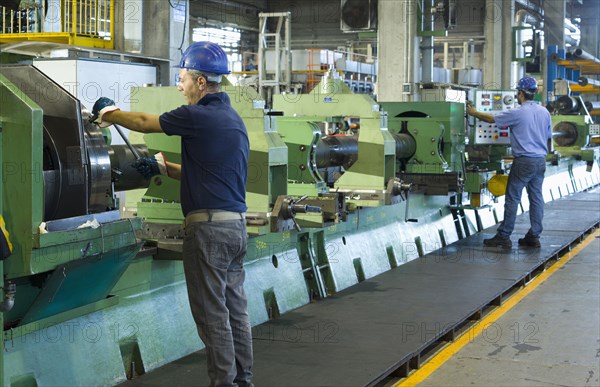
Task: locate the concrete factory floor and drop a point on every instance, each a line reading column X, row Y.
column 550, row 338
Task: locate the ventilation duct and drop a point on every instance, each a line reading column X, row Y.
column 359, row 15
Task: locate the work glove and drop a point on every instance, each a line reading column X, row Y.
column 151, row 166
column 103, row 105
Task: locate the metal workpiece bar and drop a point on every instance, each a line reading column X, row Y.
column 332, row 151
column 125, row 176
column 578, row 53
column 584, row 81
column 335, row 151
column 592, row 105
column 406, row 145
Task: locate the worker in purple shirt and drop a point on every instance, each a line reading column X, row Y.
column 530, row 139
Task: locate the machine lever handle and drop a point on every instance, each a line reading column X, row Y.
column 131, row 147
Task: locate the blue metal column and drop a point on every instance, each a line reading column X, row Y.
column 575, row 76
column 551, row 71
column 561, row 69
column 568, row 74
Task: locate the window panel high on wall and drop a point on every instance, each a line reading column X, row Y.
column 227, row 37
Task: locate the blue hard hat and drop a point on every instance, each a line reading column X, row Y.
column 206, row 57
column 527, row 84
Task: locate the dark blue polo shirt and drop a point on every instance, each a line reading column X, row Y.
column 214, row 154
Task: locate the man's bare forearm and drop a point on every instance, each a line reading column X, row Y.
column 486, row 117
column 174, row 170
column 136, row 121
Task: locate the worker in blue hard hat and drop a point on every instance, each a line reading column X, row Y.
column 530, row 139
column 213, row 173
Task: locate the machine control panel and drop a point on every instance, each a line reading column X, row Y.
column 493, row 102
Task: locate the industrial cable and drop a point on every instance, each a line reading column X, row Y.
column 185, row 17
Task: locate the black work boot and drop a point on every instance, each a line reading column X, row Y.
column 529, row 241
column 498, row 241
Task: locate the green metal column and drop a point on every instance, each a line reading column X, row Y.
column 23, row 137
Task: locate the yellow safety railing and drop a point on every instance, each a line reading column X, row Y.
column 87, row 23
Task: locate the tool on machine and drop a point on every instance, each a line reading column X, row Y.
column 10, row 290
column 93, row 119
column 117, row 173
column 397, row 191
column 404, row 192
column 131, row 147
column 285, row 210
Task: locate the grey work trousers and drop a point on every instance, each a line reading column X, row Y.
column 213, row 261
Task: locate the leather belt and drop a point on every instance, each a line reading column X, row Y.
column 216, row 216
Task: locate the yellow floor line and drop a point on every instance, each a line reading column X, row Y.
column 468, row 336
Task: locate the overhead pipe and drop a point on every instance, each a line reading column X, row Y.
column 508, row 10
column 411, row 58
column 570, row 26
column 571, row 40
column 235, row 4
column 459, row 39
column 523, row 16
column 531, row 7
column 518, row 68
column 427, row 19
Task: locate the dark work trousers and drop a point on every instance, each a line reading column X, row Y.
column 213, row 260
column 525, row 172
